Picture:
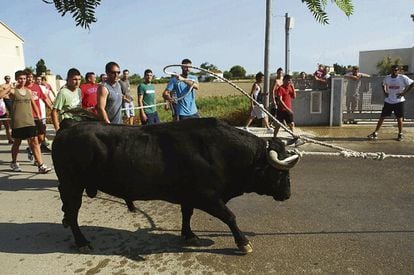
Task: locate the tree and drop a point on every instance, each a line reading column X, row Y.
column 41, row 67
column 384, row 65
column 339, row 69
column 238, row 72
column 208, row 66
column 135, row 79
column 83, row 11
column 227, row 74
column 205, row 76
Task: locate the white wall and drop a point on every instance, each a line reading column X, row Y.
column 368, row 59
column 11, row 53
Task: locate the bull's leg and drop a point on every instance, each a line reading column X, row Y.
column 186, row 231
column 219, row 210
column 72, row 201
column 130, row 205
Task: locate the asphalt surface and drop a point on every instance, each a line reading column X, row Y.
column 346, row 216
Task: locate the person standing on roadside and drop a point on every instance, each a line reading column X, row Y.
column 5, row 109
column 320, row 78
column 38, row 96
column 89, row 92
column 7, row 100
column 353, row 89
column 127, row 99
column 257, row 109
column 278, row 82
column 103, row 78
column 395, row 86
column 68, row 97
column 285, row 94
column 50, row 92
column 146, row 100
column 23, row 124
column 183, row 86
column 110, row 96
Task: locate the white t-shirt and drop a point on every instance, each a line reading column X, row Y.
column 395, row 86
column 42, row 104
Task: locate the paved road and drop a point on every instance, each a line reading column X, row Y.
column 345, row 216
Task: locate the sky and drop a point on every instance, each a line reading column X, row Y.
column 141, row 34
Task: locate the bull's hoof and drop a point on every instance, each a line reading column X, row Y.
column 245, row 248
column 85, row 249
column 192, row 241
column 65, row 223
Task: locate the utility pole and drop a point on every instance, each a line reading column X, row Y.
column 289, row 22
column 266, row 53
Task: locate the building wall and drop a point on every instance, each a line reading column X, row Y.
column 11, row 52
column 368, row 59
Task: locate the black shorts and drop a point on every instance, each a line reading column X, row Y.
column 284, row 116
column 397, row 108
column 41, row 126
column 24, row 132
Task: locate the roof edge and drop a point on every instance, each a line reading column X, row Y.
column 7, row 27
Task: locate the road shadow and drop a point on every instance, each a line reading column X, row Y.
column 10, row 183
column 44, row 238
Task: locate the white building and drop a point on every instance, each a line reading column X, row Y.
column 11, row 52
column 368, row 59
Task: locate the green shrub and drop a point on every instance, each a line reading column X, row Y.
column 233, row 109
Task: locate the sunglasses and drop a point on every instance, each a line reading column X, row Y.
column 114, row 72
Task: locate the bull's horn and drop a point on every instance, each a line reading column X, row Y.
column 284, row 164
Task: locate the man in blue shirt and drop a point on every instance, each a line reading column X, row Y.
column 182, row 86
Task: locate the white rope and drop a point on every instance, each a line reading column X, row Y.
column 344, row 152
column 354, row 154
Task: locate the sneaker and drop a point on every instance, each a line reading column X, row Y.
column 46, row 142
column 400, row 137
column 43, row 169
column 44, row 148
column 29, row 153
column 373, row 136
column 15, row 167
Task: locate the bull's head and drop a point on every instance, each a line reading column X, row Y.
column 277, row 172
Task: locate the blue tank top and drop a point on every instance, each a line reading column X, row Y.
column 114, row 103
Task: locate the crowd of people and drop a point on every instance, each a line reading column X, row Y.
column 394, row 86
column 24, row 103
column 26, row 100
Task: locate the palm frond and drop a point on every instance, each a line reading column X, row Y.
column 83, row 11
column 317, row 8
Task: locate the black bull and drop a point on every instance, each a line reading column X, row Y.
column 197, row 163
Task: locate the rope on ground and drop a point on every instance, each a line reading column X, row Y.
column 344, row 152
column 349, row 154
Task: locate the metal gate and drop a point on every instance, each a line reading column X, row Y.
column 362, row 100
